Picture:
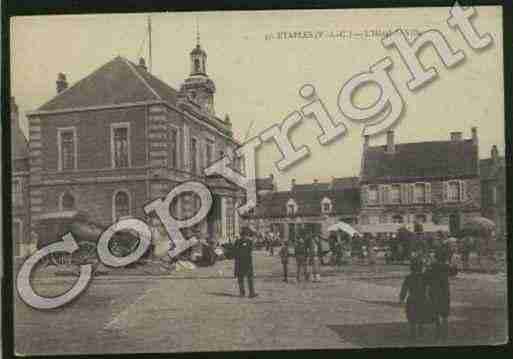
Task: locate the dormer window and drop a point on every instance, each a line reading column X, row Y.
column 326, row 205
column 291, row 207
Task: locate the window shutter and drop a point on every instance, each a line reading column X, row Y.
column 445, row 190
column 463, row 192
column 404, row 193
column 411, row 187
column 365, row 195
column 427, row 188
column 381, row 194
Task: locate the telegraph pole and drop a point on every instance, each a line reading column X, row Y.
column 149, row 38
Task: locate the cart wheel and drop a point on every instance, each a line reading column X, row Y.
column 86, row 253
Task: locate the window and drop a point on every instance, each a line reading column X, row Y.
column 419, row 193
column 67, row 147
column 173, row 148
column 67, row 202
column 395, row 194
column 121, row 205
column 364, row 219
column 494, row 195
column 209, row 151
column 372, row 194
column 453, row 191
column 17, row 192
column 291, row 207
column 194, row 155
column 397, row 219
column 326, row 205
column 383, row 218
column 197, row 67
column 120, row 145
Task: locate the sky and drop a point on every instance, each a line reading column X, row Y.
column 258, row 79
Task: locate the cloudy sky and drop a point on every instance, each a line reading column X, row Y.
column 258, row 79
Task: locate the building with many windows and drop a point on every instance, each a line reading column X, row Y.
column 434, row 183
column 121, row 137
column 311, row 207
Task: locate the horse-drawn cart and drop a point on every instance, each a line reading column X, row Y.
column 52, row 227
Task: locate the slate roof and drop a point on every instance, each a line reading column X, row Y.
column 309, row 202
column 344, row 183
column 119, row 81
column 421, row 160
column 319, row 186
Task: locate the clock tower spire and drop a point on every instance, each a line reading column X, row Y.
column 198, row 87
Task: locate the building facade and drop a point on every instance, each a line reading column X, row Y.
column 493, row 190
column 436, row 184
column 121, row 137
column 309, row 207
column 20, row 186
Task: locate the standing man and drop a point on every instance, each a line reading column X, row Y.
column 437, row 280
column 284, row 255
column 244, row 263
column 300, row 253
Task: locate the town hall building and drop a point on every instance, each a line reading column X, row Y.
column 121, row 137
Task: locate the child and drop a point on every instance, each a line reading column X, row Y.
column 414, row 291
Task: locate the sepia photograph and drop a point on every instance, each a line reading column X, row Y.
column 258, row 180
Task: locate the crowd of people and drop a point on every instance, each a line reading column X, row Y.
column 425, row 290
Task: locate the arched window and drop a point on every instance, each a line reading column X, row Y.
column 121, row 205
column 197, row 67
column 67, row 202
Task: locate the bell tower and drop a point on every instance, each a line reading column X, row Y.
column 198, row 87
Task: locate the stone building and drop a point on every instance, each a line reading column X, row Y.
column 312, row 207
column 435, row 183
column 493, row 190
column 20, row 186
column 121, row 137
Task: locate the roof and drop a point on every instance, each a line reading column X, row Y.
column 421, row 160
column 319, row 186
column 274, row 204
column 492, row 169
column 344, row 183
column 119, row 81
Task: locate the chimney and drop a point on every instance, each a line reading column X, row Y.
column 390, row 142
column 455, row 136
column 61, row 82
column 142, row 64
column 474, row 136
column 293, row 184
column 495, row 153
column 365, row 143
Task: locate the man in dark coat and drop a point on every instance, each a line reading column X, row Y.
column 437, row 280
column 413, row 290
column 244, row 263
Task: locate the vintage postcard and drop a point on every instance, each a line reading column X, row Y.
column 263, row 180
